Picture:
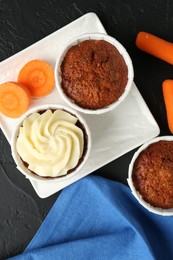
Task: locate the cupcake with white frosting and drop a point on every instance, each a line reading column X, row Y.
column 51, row 143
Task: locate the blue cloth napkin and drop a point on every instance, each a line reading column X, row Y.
column 96, row 218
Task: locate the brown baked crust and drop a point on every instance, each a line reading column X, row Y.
column 153, row 174
column 94, row 74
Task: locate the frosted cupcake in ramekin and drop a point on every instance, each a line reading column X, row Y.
column 150, row 175
column 94, row 73
column 51, row 143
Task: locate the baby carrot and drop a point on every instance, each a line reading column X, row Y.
column 38, row 76
column 167, row 88
column 14, row 99
column 155, row 46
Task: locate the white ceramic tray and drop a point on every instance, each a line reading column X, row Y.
column 114, row 133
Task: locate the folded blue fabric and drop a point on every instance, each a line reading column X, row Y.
column 96, row 218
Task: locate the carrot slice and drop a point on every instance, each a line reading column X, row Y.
column 167, row 88
column 38, row 76
column 155, row 46
column 14, row 99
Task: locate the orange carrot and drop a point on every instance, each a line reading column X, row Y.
column 167, row 88
column 14, row 99
column 38, row 76
column 155, row 46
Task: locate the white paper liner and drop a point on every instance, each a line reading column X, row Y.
column 156, row 210
column 122, row 51
column 21, row 167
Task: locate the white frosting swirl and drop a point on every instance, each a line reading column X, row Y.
column 50, row 143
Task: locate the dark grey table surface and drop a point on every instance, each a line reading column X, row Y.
column 24, row 22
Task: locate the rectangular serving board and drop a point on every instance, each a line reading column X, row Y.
column 113, row 134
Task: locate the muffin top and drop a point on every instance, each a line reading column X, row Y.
column 94, row 74
column 50, row 143
column 153, row 174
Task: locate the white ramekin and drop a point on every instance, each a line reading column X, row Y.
column 122, row 51
column 20, row 165
column 156, row 210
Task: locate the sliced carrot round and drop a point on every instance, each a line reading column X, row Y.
column 38, row 76
column 14, row 99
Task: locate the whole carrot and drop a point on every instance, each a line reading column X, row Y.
column 155, row 46
column 167, row 88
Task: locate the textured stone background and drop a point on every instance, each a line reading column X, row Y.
column 24, row 22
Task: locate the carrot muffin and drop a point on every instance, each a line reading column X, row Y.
column 51, row 143
column 153, row 174
column 94, row 74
